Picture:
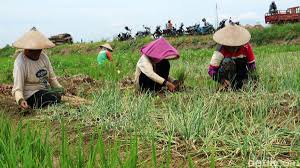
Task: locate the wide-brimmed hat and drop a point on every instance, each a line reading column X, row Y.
column 33, row 40
column 107, row 46
column 232, row 35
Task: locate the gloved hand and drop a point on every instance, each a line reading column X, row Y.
column 254, row 75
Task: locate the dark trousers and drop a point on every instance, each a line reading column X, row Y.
column 43, row 98
column 233, row 70
column 162, row 69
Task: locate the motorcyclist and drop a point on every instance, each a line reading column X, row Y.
column 206, row 24
column 157, row 32
column 222, row 24
column 169, row 25
column 207, row 28
column 127, row 29
column 180, row 31
column 125, row 36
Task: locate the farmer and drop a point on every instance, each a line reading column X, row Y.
column 273, row 8
column 105, row 53
column 35, row 84
column 233, row 62
column 153, row 68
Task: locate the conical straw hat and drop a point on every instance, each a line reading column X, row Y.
column 33, row 40
column 107, row 46
column 232, row 35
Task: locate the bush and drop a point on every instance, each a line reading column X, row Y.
column 7, row 51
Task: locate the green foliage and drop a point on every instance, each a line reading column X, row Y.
column 7, row 51
column 275, row 33
column 27, row 146
column 6, row 70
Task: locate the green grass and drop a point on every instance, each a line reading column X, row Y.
column 275, row 33
column 197, row 127
column 6, row 70
column 26, row 146
column 125, row 62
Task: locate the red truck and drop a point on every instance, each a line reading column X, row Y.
column 291, row 15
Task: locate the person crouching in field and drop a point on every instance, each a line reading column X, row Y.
column 153, row 67
column 104, row 54
column 233, row 63
column 35, row 84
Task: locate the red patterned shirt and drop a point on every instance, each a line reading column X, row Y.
column 244, row 52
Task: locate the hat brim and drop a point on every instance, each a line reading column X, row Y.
column 232, row 35
column 33, row 40
column 107, row 46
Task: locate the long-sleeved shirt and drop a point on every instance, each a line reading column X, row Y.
column 103, row 56
column 31, row 76
column 145, row 65
column 218, row 56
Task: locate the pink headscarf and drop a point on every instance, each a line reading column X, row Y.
column 159, row 49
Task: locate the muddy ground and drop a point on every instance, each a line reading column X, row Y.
column 76, row 88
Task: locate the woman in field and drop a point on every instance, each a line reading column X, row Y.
column 153, row 68
column 35, row 84
column 233, row 63
column 104, row 54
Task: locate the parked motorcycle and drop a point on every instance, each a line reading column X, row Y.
column 198, row 30
column 125, row 36
column 158, row 33
column 180, row 31
column 145, row 33
column 169, row 32
column 222, row 24
column 192, row 30
column 209, row 29
column 232, row 22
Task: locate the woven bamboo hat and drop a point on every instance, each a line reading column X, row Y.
column 33, row 40
column 232, row 35
column 107, row 46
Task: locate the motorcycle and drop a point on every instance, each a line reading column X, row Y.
column 209, row 29
column 192, row 30
column 169, row 32
column 233, row 23
column 198, row 30
column 125, row 36
column 145, row 33
column 180, row 30
column 158, row 33
column 222, row 24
